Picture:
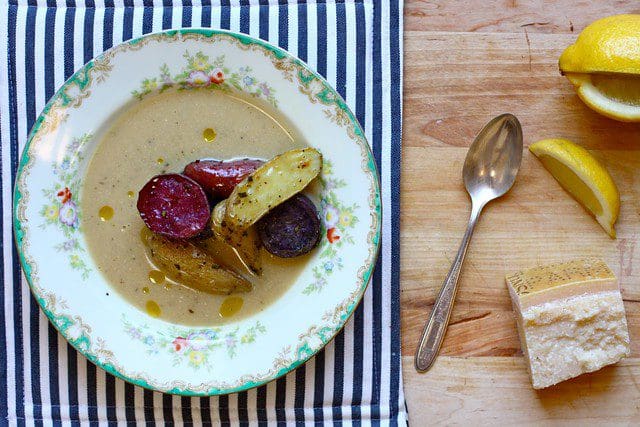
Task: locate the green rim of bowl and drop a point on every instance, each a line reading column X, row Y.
column 61, row 322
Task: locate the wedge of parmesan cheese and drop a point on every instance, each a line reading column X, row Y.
column 570, row 319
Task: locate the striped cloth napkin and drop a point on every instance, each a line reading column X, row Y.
column 357, row 46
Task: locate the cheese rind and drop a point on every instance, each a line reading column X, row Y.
column 578, row 325
column 561, row 280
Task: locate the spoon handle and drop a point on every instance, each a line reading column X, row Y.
column 436, row 327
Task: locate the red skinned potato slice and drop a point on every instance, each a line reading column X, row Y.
column 291, row 229
column 219, row 178
column 271, row 184
column 174, row 206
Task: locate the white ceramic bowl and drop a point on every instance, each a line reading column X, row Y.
column 127, row 342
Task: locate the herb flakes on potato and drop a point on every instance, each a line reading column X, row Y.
column 271, row 184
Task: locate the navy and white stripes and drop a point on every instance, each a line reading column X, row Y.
column 357, row 46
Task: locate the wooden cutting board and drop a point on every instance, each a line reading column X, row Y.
column 466, row 62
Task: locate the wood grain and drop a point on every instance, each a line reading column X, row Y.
column 550, row 16
column 537, row 221
column 466, row 62
column 489, row 391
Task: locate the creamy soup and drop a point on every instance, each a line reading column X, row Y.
column 162, row 134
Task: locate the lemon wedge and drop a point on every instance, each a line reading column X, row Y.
column 604, row 66
column 583, row 176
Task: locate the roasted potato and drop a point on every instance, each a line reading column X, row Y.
column 219, row 178
column 174, row 205
column 269, row 185
column 188, row 264
column 290, row 229
column 245, row 242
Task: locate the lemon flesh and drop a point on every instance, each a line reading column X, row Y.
column 571, row 182
column 624, row 89
column 582, row 176
column 614, row 96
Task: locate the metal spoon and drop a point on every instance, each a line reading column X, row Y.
column 489, row 171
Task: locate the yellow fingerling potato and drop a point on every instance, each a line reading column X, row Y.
column 188, row 264
column 269, row 185
column 245, row 242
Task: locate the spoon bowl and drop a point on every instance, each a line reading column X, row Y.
column 494, row 158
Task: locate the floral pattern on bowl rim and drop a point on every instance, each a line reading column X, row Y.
column 202, row 73
column 62, row 210
column 281, row 346
column 190, row 344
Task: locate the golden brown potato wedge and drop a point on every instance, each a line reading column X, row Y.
column 269, row 185
column 188, row 264
column 245, row 242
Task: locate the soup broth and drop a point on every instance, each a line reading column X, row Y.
column 162, row 134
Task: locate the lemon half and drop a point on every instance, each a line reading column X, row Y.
column 582, row 176
column 604, row 66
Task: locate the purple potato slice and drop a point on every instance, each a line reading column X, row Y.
column 290, row 229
